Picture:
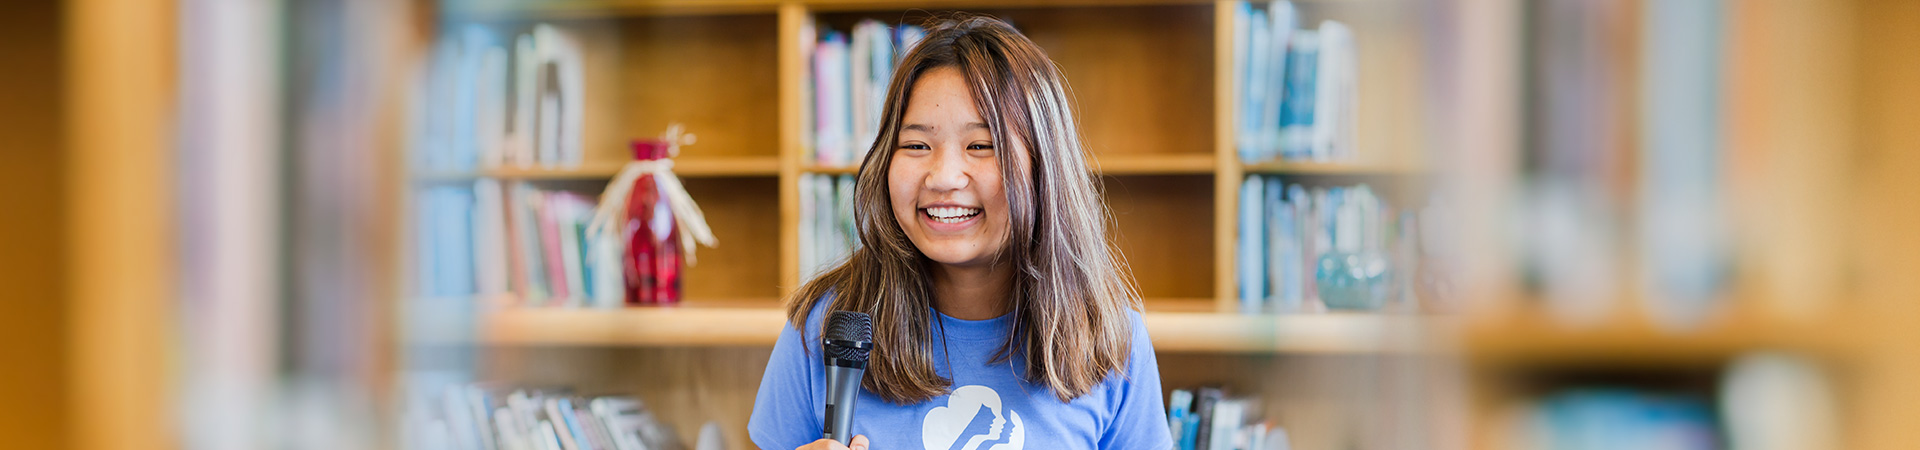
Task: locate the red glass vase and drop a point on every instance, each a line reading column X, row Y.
column 653, row 262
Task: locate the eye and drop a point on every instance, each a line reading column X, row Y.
column 915, row 147
column 986, row 149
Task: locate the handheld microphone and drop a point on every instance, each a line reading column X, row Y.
column 848, row 338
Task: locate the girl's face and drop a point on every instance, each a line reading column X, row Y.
column 944, row 179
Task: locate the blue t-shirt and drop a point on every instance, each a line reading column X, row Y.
column 989, row 407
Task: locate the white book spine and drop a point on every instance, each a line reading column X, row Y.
column 490, row 237
column 490, row 109
column 526, row 77
column 1333, row 92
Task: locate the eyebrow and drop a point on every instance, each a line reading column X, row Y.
column 924, row 128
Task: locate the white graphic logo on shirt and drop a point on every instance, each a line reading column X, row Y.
column 973, row 420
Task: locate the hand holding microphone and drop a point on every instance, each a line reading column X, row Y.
column 847, row 339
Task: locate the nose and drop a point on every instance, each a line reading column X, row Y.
column 949, row 171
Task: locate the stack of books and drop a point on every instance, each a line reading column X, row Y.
column 848, row 87
column 470, row 417
column 1210, row 420
column 483, row 102
column 827, row 234
column 1291, row 237
column 1295, row 90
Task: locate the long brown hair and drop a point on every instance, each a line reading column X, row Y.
column 1070, row 292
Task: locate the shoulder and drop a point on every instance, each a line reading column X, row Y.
column 809, row 324
column 1137, row 332
column 1141, row 352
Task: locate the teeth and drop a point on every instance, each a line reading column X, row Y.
column 952, row 214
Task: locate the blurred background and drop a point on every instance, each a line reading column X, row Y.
column 1356, row 224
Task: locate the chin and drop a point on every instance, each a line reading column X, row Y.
column 957, row 257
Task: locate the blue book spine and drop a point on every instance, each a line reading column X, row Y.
column 1280, row 242
column 1258, row 92
column 1297, row 135
column 1253, row 273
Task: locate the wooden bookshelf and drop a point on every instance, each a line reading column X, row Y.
column 1153, row 85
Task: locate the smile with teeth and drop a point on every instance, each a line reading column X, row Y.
column 951, row 214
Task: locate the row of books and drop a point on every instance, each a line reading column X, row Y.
column 1762, row 400
column 1608, row 418
column 848, row 86
column 1296, row 90
column 500, row 237
column 1305, row 249
column 827, row 234
column 1591, row 211
column 1209, row 420
column 484, row 101
column 472, row 417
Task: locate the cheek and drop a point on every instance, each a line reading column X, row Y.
column 900, row 191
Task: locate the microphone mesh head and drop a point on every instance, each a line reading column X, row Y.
column 848, row 326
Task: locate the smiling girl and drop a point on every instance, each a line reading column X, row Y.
column 1003, row 318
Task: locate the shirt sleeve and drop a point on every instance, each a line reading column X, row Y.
column 1140, row 415
column 783, row 411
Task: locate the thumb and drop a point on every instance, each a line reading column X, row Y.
column 859, row 443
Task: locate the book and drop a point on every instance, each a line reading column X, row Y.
column 1203, row 406
column 1685, row 235
column 1335, row 94
column 551, row 252
column 562, row 206
column 1248, row 61
column 831, row 89
column 1284, row 21
column 1252, row 245
column 1296, row 132
column 490, row 237
column 1283, row 251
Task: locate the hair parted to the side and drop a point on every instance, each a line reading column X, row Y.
column 1071, row 292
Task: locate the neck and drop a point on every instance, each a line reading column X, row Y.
column 971, row 293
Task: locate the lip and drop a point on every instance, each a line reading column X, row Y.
column 943, row 227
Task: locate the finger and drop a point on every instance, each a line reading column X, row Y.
column 823, row 444
column 859, row 442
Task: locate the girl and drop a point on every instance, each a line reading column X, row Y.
column 1003, row 319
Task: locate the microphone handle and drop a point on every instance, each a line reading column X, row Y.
column 843, row 384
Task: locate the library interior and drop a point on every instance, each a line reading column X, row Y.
column 585, row 224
